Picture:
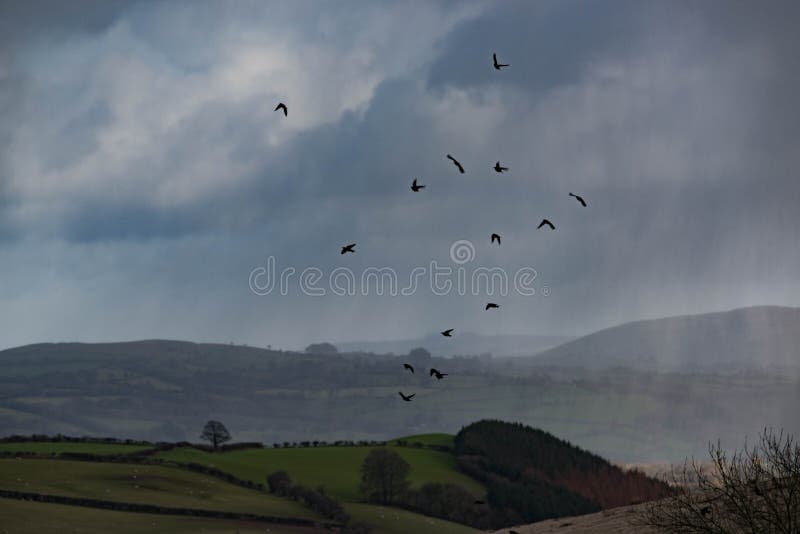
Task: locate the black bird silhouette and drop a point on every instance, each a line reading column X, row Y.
column 499, row 168
column 415, row 187
column 477, row 501
column 439, row 375
column 456, row 163
column 496, row 237
column 408, row 366
column 282, row 106
column 348, row 248
column 491, row 305
column 406, row 398
column 448, row 332
column 546, row 222
column 497, row 65
column 580, row 199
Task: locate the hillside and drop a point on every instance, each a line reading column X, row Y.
column 166, row 390
column 490, row 474
column 614, row 521
column 165, row 481
column 763, row 337
column 141, row 484
column 532, row 475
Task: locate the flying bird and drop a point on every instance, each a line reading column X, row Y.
column 496, row 237
column 406, row 398
column 437, row 374
column 491, row 305
column 408, row 366
column 348, row 248
column 282, row 106
column 456, row 163
column 415, row 187
column 479, row 502
column 547, row 223
column 497, row 65
column 499, row 168
column 448, row 332
column 580, row 199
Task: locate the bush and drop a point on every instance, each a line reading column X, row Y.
column 279, row 482
column 756, row 489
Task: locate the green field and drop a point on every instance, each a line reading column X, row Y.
column 46, row 447
column 338, row 470
column 335, row 468
column 144, row 484
column 23, row 517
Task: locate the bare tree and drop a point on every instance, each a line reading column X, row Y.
column 216, row 433
column 384, row 475
column 755, row 490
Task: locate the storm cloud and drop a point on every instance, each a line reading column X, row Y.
column 144, row 175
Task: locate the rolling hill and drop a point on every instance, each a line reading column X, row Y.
column 649, row 391
column 489, row 475
column 762, row 337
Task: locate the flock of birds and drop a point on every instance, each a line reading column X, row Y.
column 416, row 188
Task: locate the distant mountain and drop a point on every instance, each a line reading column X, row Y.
column 758, row 337
column 466, row 343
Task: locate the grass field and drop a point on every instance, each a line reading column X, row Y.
column 63, row 446
column 145, row 484
column 335, row 468
column 23, row 517
column 338, row 470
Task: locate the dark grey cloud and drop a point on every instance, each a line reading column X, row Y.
column 145, row 164
column 548, row 43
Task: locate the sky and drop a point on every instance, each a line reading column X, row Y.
column 147, row 185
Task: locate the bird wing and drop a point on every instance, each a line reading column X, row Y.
column 410, row 396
